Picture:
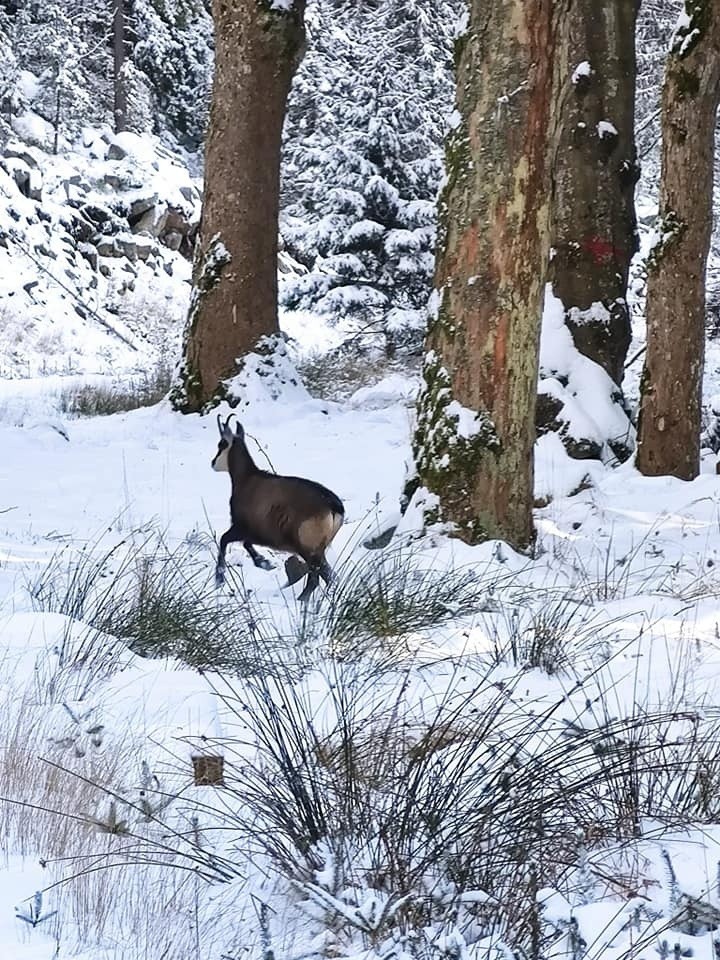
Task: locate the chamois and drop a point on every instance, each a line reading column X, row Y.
column 284, row 513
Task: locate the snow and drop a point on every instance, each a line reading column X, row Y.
column 606, row 129
column 469, row 423
column 585, row 389
column 582, row 70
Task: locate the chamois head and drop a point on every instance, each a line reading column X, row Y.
column 227, row 438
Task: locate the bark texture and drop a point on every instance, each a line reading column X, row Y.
column 671, row 389
column 492, row 251
column 594, row 233
column 234, row 299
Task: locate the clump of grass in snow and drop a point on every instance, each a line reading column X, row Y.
column 559, row 634
column 158, row 601
column 389, row 815
column 378, row 602
column 103, row 399
column 165, row 609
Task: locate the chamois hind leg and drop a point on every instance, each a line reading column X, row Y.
column 325, row 571
column 257, row 558
column 313, row 578
column 295, row 568
column 230, row 536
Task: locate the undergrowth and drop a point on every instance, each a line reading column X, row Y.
column 153, row 600
column 118, row 396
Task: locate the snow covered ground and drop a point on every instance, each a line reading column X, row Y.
column 607, row 637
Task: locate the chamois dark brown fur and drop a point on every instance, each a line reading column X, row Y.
column 291, row 514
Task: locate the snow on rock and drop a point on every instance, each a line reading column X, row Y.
column 266, row 374
column 94, row 265
column 586, row 408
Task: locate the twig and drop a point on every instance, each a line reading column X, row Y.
column 640, row 352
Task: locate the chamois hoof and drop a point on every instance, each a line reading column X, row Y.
column 296, row 569
column 219, row 577
column 264, row 564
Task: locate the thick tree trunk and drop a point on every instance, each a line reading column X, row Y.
column 669, row 427
column 474, row 438
column 594, row 234
column 119, row 87
column 258, row 45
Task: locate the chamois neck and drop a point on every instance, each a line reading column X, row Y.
column 240, row 463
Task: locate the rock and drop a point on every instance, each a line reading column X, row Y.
column 140, row 206
column 187, row 193
column 547, row 411
column 27, row 179
column 104, row 269
column 172, row 240
column 152, row 222
column 177, row 222
column 81, row 229
column 44, row 251
column 107, row 247
column 145, row 247
column 116, row 152
column 127, row 247
column 19, row 151
column 95, row 214
column 582, row 449
column 90, row 253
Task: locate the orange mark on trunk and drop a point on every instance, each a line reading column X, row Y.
column 500, row 351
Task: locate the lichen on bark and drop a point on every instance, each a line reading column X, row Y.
column 446, row 460
column 671, row 228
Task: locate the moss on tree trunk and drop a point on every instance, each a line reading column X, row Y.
column 670, row 409
column 234, row 300
column 594, row 230
column 475, row 431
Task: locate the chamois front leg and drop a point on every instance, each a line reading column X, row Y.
column 230, row 536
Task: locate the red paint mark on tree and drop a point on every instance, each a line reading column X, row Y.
column 601, row 250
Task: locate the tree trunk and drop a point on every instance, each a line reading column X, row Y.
column 594, row 226
column 119, row 87
column 475, row 433
column 258, row 45
column 669, row 427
